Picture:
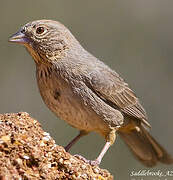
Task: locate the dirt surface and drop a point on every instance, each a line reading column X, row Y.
column 27, row 152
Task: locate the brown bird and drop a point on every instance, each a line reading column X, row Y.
column 86, row 93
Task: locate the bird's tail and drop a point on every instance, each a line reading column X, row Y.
column 144, row 147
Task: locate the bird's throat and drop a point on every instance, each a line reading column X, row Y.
column 36, row 56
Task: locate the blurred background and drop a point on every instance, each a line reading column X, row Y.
column 134, row 37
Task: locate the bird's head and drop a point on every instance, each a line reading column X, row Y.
column 46, row 40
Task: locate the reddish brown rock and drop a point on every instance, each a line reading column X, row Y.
column 27, row 152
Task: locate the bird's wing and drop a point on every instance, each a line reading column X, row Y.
column 112, row 89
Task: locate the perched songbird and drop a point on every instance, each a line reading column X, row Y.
column 86, row 93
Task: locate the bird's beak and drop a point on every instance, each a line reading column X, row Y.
column 19, row 37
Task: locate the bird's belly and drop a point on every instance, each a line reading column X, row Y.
column 65, row 105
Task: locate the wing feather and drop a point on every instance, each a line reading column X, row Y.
column 112, row 88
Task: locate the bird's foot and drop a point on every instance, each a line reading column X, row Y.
column 91, row 162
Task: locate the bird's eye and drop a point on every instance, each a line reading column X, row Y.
column 40, row 30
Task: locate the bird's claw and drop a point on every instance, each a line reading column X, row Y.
column 94, row 162
column 91, row 162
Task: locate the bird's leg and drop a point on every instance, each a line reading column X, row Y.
column 103, row 152
column 71, row 143
column 110, row 140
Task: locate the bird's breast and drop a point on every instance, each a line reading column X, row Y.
column 60, row 99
